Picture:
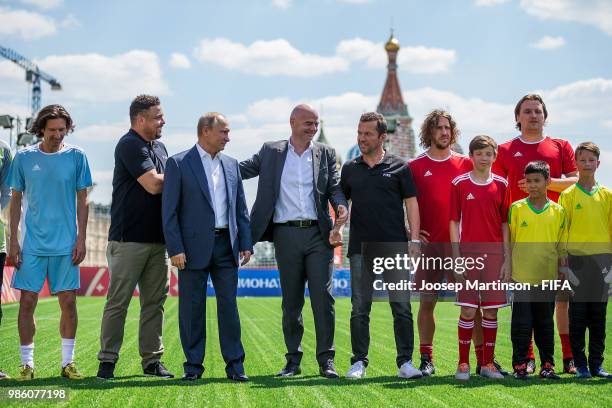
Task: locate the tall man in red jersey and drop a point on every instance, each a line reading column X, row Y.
column 530, row 115
column 433, row 172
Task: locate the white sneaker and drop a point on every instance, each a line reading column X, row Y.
column 408, row 371
column 357, row 370
column 463, row 372
column 490, row 371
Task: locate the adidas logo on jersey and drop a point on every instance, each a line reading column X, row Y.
column 36, row 167
column 524, row 224
column 518, row 154
column 470, row 197
column 578, row 206
column 427, row 173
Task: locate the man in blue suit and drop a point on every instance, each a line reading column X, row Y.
column 206, row 226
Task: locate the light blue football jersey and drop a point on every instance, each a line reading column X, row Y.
column 49, row 182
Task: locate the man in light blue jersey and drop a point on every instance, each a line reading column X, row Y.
column 49, row 182
column 6, row 157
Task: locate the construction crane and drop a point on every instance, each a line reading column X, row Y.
column 33, row 75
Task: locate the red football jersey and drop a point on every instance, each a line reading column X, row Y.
column 514, row 155
column 433, row 182
column 480, row 208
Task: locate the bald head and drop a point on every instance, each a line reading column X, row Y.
column 303, row 109
column 304, row 123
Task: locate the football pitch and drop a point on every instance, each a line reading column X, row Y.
column 263, row 342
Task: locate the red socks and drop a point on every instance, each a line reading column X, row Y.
column 565, row 346
column 427, row 349
column 530, row 355
column 478, row 352
column 464, row 332
column 489, row 335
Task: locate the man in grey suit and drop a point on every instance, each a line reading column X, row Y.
column 206, row 225
column 297, row 181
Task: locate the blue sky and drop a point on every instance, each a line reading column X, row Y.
column 253, row 60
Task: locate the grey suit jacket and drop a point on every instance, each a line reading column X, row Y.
column 268, row 164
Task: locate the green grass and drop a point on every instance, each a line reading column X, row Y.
column 262, row 338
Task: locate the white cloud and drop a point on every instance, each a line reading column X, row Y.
column 548, row 43
column 282, row 4
column 100, row 78
column 597, row 13
column 607, row 123
column 486, row 3
column 419, row 59
column 179, row 61
column 15, row 110
column 43, row 4
column 10, row 70
column 103, row 133
column 267, row 58
column 279, row 57
column 25, row 24
column 103, row 190
column 70, row 22
column 579, row 102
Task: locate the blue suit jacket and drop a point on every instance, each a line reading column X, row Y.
column 188, row 213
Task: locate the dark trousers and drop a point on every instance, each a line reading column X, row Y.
column 192, row 310
column 536, row 317
column 587, row 309
column 583, row 316
column 302, row 256
column 2, row 260
column 361, row 301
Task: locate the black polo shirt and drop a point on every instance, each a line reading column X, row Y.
column 377, row 195
column 136, row 214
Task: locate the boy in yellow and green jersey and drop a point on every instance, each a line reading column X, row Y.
column 588, row 206
column 536, row 226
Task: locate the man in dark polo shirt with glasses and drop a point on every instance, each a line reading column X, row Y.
column 379, row 186
column 136, row 250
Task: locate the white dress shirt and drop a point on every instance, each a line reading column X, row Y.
column 296, row 197
column 216, row 186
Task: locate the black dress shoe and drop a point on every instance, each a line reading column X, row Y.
column 238, row 377
column 106, row 370
column 157, row 369
column 328, row 370
column 191, row 377
column 289, row 370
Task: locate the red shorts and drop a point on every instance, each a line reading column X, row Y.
column 488, row 298
column 433, row 272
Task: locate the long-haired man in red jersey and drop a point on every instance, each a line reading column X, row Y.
column 433, row 172
column 532, row 144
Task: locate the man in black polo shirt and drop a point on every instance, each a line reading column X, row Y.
column 136, row 250
column 379, row 186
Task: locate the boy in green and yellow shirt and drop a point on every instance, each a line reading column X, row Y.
column 536, row 226
column 588, row 206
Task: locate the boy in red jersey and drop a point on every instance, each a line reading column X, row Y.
column 478, row 220
column 530, row 115
column 433, row 172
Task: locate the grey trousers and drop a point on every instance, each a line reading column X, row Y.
column 131, row 263
column 302, row 256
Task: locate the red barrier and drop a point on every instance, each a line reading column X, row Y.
column 12, row 295
column 95, row 281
